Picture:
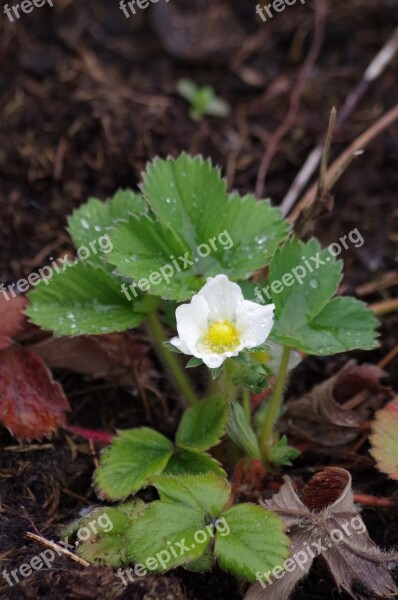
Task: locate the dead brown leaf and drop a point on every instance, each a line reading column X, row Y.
column 11, row 318
column 322, row 415
column 326, row 507
column 109, row 357
column 32, row 405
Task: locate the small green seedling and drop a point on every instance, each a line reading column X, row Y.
column 202, row 99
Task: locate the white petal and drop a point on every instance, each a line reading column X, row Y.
column 213, row 361
column 192, row 323
column 222, row 297
column 180, row 345
column 254, row 322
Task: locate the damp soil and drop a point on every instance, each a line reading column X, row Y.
column 87, row 98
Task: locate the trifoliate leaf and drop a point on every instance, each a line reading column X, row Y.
column 303, row 279
column 150, row 253
column 89, row 224
column 384, row 439
column 256, row 542
column 205, row 493
column 204, row 563
column 178, row 528
column 240, row 432
column 201, row 231
column 131, row 461
column 281, row 453
column 256, row 229
column 101, row 535
column 254, row 376
column 190, row 462
column 164, row 537
column 203, row 426
column 83, row 300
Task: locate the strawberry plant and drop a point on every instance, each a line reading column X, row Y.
column 183, row 245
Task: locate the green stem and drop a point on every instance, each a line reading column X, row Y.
column 228, row 389
column 275, row 404
column 170, row 360
column 246, row 403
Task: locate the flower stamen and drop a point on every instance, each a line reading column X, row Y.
column 222, row 336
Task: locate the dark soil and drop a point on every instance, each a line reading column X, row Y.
column 87, row 98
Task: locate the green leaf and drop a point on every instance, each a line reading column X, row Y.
column 256, row 542
column 89, row 224
column 240, row 432
column 194, row 463
column 256, row 229
column 207, row 494
column 145, row 250
column 200, row 232
column 107, row 542
column 298, row 303
column 168, row 529
column 131, row 461
column 281, row 453
column 188, row 196
column 204, row 563
column 384, row 439
column 163, row 538
column 203, row 426
column 255, row 376
column 306, row 317
column 83, row 300
column 344, row 324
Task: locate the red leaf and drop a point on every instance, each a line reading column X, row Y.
column 11, row 318
column 32, row 405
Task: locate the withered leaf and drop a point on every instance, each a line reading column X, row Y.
column 109, row 356
column 313, row 521
column 11, row 318
column 320, row 415
column 384, row 439
column 32, row 405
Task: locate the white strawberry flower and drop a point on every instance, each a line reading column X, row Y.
column 219, row 323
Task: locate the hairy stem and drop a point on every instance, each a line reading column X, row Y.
column 246, row 403
column 275, row 404
column 176, row 372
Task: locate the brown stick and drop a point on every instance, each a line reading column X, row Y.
column 337, row 168
column 58, row 549
column 272, row 147
column 385, row 307
column 376, row 68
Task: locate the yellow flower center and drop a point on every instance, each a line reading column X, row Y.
column 221, row 337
